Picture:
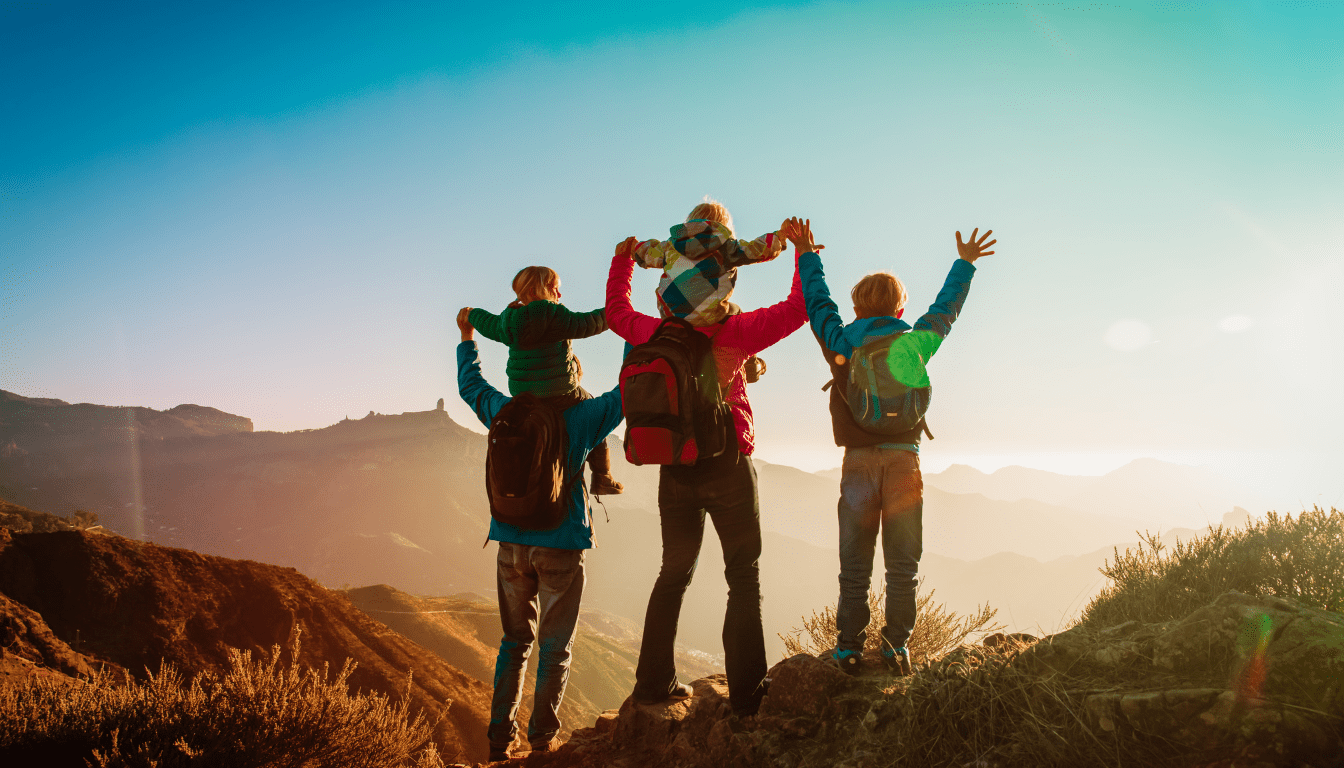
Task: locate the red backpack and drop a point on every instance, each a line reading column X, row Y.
column 674, row 410
column 525, row 478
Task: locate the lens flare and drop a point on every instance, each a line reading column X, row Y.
column 1253, row 648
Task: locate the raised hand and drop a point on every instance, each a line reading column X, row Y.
column 626, row 247
column 800, row 234
column 973, row 249
column 464, row 323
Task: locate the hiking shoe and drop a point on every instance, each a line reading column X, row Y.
column 605, row 485
column 897, row 660
column 498, row 754
column 847, row 661
column 679, row 692
column 547, row 746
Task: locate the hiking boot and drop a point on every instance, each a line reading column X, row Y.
column 897, row 660
column 847, row 661
column 547, row 746
column 498, row 754
column 679, row 692
column 605, row 485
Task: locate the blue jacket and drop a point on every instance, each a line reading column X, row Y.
column 909, row 355
column 587, row 424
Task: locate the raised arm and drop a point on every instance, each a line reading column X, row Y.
column 762, row 249
column 484, row 400
column 634, row 327
column 564, row 324
column 488, row 324
column 654, row 254
column 756, row 330
column 822, row 311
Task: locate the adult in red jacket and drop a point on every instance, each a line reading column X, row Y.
column 724, row 487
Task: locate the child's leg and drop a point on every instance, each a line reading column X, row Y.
column 860, row 511
column 599, row 461
column 902, row 541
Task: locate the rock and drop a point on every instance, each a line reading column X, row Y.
column 804, row 686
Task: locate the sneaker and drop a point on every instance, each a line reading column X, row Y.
column 547, row 746
column 897, row 660
column 847, row 661
column 605, row 485
column 679, row 692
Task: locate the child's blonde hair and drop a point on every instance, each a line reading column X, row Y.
column 880, row 294
column 533, row 283
column 710, row 209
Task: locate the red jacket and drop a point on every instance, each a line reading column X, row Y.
column 735, row 339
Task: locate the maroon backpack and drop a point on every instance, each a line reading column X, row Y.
column 674, row 410
column 525, row 478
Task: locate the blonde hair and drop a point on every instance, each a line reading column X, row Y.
column 880, row 294
column 533, row 283
column 710, row 209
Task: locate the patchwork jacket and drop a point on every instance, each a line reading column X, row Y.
column 700, row 266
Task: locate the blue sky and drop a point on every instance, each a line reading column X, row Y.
column 276, row 209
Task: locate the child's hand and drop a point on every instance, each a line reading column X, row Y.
column 626, row 247
column 973, row 249
column 464, row 323
column 800, row 234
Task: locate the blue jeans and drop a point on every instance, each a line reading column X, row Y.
column 725, row 488
column 528, row 577
column 880, row 489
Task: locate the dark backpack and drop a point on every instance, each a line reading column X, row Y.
column 525, row 477
column 674, row 409
column 879, row 402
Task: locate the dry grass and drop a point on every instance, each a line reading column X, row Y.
column 257, row 713
column 937, row 629
column 1301, row 558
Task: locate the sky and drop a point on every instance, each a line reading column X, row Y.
column 276, row 209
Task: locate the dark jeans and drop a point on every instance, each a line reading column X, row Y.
column 880, row 488
column 528, row 578
column 724, row 487
column 599, row 458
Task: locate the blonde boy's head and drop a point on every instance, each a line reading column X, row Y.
column 533, row 283
column 710, row 209
column 880, row 294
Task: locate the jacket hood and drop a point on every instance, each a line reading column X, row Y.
column 863, row 331
column 697, row 237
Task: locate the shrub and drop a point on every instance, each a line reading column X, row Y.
column 1299, row 558
column 257, row 713
column 937, row 629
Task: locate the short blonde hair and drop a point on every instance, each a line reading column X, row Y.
column 710, row 209
column 533, row 283
column 880, row 294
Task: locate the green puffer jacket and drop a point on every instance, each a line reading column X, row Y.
column 541, row 360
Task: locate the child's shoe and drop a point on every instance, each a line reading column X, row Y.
column 847, row 661
column 605, row 485
column 897, row 660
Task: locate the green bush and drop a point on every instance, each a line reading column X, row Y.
column 1301, row 558
column 257, row 713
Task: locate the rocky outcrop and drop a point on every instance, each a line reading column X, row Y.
column 1241, row 682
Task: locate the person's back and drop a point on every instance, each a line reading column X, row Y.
column 540, row 574
column 881, row 488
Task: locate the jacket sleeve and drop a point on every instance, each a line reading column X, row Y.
column 762, row 249
column 488, row 324
column 756, row 330
column 484, row 400
column 565, row 324
column 821, row 309
column 655, row 254
column 944, row 310
column 634, row 327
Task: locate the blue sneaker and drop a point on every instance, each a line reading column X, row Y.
column 897, row 660
column 848, row 661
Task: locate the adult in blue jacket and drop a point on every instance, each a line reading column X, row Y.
column 881, row 487
column 540, row 575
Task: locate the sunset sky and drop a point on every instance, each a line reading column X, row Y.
column 276, row 208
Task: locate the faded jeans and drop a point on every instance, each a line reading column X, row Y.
column 725, row 488
column 880, row 489
column 528, row 577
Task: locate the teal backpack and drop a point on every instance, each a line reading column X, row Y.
column 879, row 402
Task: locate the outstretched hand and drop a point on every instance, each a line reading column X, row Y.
column 464, row 323
column 626, row 247
column 799, row 232
column 973, row 249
